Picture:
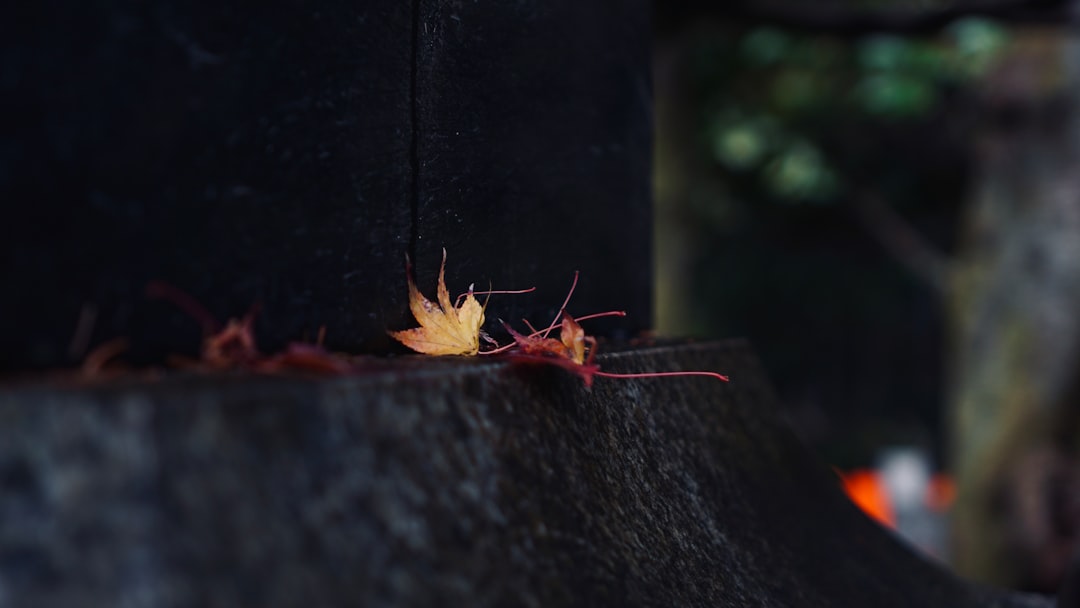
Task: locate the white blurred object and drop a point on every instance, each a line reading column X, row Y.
column 906, row 473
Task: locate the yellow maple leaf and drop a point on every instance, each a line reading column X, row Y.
column 444, row 329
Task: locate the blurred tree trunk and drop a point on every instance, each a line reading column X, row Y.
column 1015, row 325
column 677, row 171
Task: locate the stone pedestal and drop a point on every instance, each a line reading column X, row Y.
column 438, row 482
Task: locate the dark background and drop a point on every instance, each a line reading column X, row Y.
column 883, row 197
column 289, row 156
column 850, row 117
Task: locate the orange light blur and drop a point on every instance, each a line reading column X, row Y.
column 941, row 493
column 865, row 489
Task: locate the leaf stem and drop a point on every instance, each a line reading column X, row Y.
column 661, row 375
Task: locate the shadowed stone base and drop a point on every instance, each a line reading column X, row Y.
column 438, row 482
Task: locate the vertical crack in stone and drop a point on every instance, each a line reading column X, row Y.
column 414, row 124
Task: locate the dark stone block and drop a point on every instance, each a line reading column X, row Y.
column 535, row 147
column 241, row 151
column 442, row 482
column 291, row 154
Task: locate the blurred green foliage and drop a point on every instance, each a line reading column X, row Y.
column 776, row 95
column 765, row 135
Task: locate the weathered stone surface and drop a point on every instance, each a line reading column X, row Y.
column 438, row 482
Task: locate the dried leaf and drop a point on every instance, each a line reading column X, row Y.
column 97, row 359
column 573, row 338
column 568, row 352
column 584, row 371
column 444, row 329
column 569, row 346
column 232, row 347
column 299, row 356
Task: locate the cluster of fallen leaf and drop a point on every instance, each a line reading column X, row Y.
column 446, row 329
column 233, row 346
column 449, row 329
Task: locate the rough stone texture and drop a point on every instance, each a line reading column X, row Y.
column 438, row 482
